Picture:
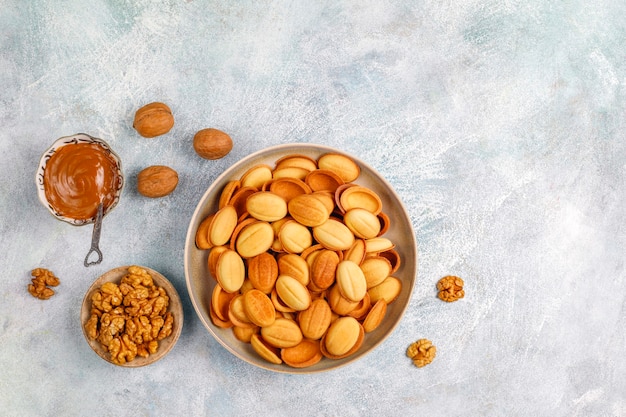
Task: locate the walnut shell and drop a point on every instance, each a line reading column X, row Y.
column 156, row 181
column 153, row 119
column 212, row 143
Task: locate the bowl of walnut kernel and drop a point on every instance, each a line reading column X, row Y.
column 131, row 316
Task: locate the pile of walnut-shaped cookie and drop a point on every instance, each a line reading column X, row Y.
column 131, row 318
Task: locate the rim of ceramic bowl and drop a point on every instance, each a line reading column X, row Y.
column 73, row 140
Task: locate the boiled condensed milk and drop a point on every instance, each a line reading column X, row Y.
column 78, row 177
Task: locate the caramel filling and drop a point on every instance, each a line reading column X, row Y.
column 80, row 176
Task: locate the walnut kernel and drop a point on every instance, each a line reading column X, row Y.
column 450, row 288
column 421, row 352
column 131, row 318
column 40, row 283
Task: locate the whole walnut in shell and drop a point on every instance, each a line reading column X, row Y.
column 153, row 119
column 212, row 143
column 156, row 181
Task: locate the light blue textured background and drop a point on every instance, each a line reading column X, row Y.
column 501, row 124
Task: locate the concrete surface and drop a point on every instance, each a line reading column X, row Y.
column 501, row 124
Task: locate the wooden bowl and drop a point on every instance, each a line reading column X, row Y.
column 175, row 307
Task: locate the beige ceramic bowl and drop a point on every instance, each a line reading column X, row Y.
column 175, row 307
column 200, row 284
column 72, row 140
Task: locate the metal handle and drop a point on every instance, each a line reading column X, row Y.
column 95, row 238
